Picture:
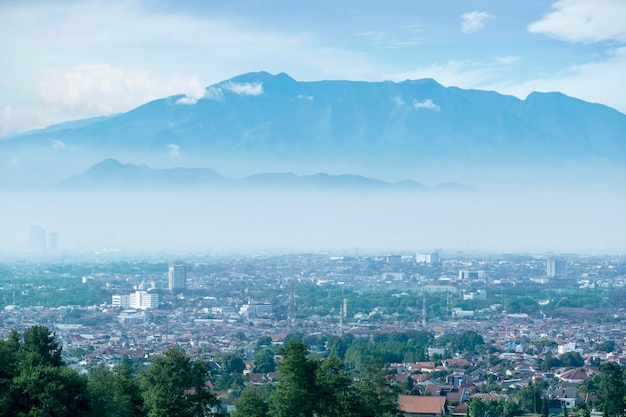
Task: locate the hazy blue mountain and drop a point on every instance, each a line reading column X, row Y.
column 259, row 122
column 111, row 174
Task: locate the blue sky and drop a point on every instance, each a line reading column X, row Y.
column 64, row 60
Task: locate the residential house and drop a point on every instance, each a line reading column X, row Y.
column 422, row 406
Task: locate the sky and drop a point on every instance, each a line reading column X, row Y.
column 67, row 60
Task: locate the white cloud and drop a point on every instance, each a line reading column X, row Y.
column 173, row 150
column 399, row 101
column 187, row 100
column 305, row 97
column 586, row 21
column 88, row 67
column 58, row 144
column 426, row 104
column 244, row 89
column 210, row 93
column 507, row 60
column 400, row 37
column 213, row 93
column 91, row 89
column 474, row 21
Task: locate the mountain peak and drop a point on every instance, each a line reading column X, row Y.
column 106, row 164
column 261, row 77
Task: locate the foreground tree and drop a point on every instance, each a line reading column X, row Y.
column 40, row 347
column 612, row 388
column 251, row 404
column 35, row 381
column 374, row 394
column 174, row 387
column 114, row 393
column 297, row 387
column 48, row 391
column 335, row 390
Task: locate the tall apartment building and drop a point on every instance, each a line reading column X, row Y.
column 122, row 301
column 143, row 300
column 556, row 267
column 427, row 258
column 177, row 277
column 467, row 274
column 53, row 242
column 37, row 242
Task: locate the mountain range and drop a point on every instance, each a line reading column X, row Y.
column 111, row 174
column 259, row 122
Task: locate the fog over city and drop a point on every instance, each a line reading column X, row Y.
column 559, row 221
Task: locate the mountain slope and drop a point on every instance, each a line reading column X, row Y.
column 262, row 122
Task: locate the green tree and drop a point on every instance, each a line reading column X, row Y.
column 510, row 409
column 608, row 346
column 173, row 387
column 230, row 362
column 296, row 392
column 376, row 397
column 545, row 408
column 40, row 347
column 48, row 391
column 264, row 361
column 550, row 362
column 477, row 407
column 263, row 341
column 612, row 388
column 251, row 404
column 572, row 359
column 9, row 350
column 335, row 390
column 530, row 398
column 113, row 393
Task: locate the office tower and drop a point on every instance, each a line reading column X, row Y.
column 122, row 301
column 53, row 242
column 143, row 300
column 37, row 239
column 556, row 267
column 427, row 258
column 177, row 277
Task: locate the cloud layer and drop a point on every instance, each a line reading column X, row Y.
column 474, row 21
column 584, row 21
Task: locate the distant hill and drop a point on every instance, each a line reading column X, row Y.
column 259, row 122
column 111, row 174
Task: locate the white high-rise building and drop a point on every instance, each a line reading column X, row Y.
column 122, row 301
column 177, row 277
column 427, row 258
column 143, row 300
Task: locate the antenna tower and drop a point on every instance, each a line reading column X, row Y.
column 291, row 315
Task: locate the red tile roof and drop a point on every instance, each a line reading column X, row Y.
column 418, row 404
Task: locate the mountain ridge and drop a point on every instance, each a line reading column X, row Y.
column 112, row 174
column 259, row 122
